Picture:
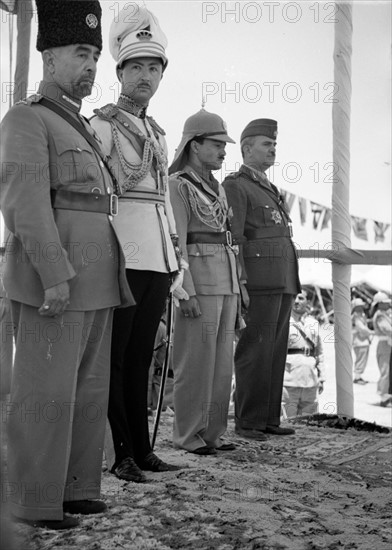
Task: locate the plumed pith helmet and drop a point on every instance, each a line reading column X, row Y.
column 201, row 124
column 135, row 32
column 261, row 127
column 65, row 22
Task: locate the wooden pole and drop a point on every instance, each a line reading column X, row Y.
column 341, row 225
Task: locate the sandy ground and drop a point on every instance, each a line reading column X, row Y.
column 323, row 488
column 290, row 493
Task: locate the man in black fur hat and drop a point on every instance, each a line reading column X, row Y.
column 63, row 277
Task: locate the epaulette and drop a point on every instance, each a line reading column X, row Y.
column 155, row 125
column 107, row 112
column 35, row 98
column 180, row 175
column 175, row 174
column 233, row 175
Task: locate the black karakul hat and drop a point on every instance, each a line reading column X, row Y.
column 261, row 127
column 65, row 22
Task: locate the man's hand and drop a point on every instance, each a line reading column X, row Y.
column 190, row 308
column 56, row 300
column 177, row 281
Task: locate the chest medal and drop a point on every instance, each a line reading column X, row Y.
column 276, row 216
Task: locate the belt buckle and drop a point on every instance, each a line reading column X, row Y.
column 229, row 239
column 113, row 204
column 307, row 352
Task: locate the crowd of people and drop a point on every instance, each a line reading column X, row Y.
column 96, row 243
column 379, row 317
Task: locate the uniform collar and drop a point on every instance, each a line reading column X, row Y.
column 126, row 103
column 52, row 91
column 210, row 185
column 257, row 175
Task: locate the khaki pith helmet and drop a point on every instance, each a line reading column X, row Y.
column 201, row 124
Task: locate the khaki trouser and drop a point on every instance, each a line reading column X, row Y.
column 203, row 366
column 57, row 412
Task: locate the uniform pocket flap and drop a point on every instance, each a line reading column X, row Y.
column 70, row 142
column 263, row 249
column 203, row 249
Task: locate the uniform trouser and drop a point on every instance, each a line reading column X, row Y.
column 383, row 354
column 297, row 400
column 57, row 411
column 361, row 358
column 134, row 330
column 203, row 367
column 260, row 360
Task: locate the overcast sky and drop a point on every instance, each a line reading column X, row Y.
column 274, row 60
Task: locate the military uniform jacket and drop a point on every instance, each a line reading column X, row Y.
column 212, row 267
column 261, row 226
column 143, row 227
column 40, row 152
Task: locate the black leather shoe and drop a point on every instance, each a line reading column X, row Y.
column 153, row 463
column 278, row 430
column 226, row 447
column 130, row 471
column 251, row 433
column 84, row 507
column 204, row 451
column 66, row 523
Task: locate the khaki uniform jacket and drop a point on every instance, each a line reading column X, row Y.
column 260, row 225
column 212, row 267
column 41, row 151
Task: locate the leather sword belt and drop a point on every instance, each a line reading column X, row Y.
column 267, row 232
column 300, row 351
column 209, row 237
column 86, row 202
column 143, row 196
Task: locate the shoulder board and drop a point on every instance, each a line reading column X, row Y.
column 233, row 176
column 35, row 98
column 182, row 176
column 107, row 112
column 175, row 175
column 155, row 125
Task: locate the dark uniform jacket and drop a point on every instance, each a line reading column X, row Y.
column 261, row 226
column 40, row 152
